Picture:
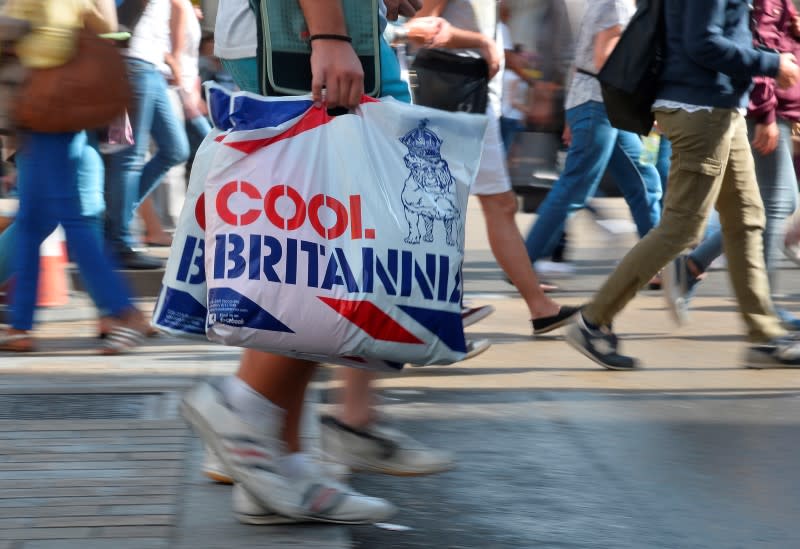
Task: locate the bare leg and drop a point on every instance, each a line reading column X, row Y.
column 153, row 230
column 356, row 397
column 283, row 381
column 509, row 251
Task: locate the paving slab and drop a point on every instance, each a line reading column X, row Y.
column 551, row 414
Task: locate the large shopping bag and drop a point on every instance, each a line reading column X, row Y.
column 340, row 238
column 181, row 306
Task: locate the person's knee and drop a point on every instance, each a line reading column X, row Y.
column 178, row 153
column 680, row 229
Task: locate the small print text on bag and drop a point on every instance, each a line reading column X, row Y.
column 87, row 92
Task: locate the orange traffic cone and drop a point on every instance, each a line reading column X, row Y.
column 53, row 281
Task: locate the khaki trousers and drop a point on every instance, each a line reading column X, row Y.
column 711, row 164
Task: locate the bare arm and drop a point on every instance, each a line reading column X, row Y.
column 435, row 32
column 103, row 18
column 177, row 35
column 334, row 64
column 604, row 43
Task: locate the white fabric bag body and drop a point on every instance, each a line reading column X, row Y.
column 181, row 306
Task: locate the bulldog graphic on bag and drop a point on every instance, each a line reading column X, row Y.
column 340, row 239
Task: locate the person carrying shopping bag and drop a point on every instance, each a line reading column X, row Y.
column 278, row 480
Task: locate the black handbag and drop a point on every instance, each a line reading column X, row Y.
column 450, row 82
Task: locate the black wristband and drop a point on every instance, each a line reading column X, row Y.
column 339, row 37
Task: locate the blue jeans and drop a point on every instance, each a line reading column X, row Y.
column 196, row 130
column 596, row 146
column 245, row 73
column 130, row 180
column 663, row 164
column 8, row 245
column 509, row 128
column 777, row 183
column 90, row 191
column 49, row 194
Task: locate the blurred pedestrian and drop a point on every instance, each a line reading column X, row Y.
column 184, row 61
column 515, row 105
column 772, row 113
column 49, row 166
column 594, row 144
column 709, row 65
column 182, row 72
column 469, row 27
column 130, row 179
column 252, row 421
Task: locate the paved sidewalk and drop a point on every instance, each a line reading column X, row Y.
column 93, row 454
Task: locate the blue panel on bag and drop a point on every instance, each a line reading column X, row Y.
column 252, row 113
column 445, row 325
column 219, row 108
column 182, row 312
column 229, row 307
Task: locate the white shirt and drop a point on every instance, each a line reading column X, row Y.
column 150, row 41
column 190, row 56
column 667, row 105
column 235, row 32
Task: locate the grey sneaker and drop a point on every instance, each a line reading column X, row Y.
column 598, row 345
column 249, row 456
column 379, row 449
column 473, row 315
column 783, row 352
column 476, row 347
column 678, row 286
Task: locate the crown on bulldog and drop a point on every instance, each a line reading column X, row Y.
column 422, row 142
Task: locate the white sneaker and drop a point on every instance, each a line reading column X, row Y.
column 379, row 449
column 309, row 442
column 214, row 469
column 553, row 269
column 248, row 510
column 792, row 252
column 472, row 315
column 249, row 455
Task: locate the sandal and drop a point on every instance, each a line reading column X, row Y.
column 105, row 325
column 122, row 339
column 17, row 343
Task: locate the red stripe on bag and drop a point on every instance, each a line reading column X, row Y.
column 314, row 118
column 372, row 320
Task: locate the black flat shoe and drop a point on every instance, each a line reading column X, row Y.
column 549, row 323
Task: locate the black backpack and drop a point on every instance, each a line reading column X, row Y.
column 630, row 77
column 129, row 12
